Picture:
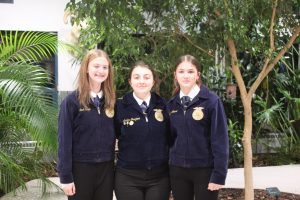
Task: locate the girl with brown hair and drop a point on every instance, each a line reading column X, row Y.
column 199, row 153
column 142, row 124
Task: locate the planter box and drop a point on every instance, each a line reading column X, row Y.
column 28, row 146
column 267, row 143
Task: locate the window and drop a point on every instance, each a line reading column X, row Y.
column 6, row 1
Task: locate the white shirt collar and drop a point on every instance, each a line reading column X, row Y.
column 140, row 101
column 194, row 91
column 94, row 94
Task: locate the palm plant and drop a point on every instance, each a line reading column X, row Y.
column 26, row 111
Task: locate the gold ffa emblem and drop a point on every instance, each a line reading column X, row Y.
column 109, row 113
column 198, row 113
column 158, row 115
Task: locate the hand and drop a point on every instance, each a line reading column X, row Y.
column 214, row 186
column 69, row 189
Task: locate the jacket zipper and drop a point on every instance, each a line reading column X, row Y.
column 187, row 138
column 146, row 117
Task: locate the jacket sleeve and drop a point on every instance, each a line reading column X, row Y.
column 170, row 137
column 117, row 124
column 219, row 143
column 65, row 137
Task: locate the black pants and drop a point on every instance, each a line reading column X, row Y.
column 188, row 183
column 93, row 181
column 142, row 184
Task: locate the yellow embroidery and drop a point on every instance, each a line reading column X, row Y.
column 198, row 113
column 130, row 121
column 109, row 113
column 84, row 109
column 173, row 111
column 158, row 115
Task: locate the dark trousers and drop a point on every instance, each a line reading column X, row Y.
column 93, row 181
column 190, row 183
column 142, row 184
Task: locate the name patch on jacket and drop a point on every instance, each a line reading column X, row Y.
column 130, row 121
column 84, row 109
column 173, row 111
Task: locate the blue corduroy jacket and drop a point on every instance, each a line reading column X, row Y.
column 200, row 134
column 84, row 135
column 143, row 140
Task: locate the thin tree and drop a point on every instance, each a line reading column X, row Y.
column 173, row 28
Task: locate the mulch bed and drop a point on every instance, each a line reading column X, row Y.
column 238, row 194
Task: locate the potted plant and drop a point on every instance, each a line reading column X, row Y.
column 26, row 111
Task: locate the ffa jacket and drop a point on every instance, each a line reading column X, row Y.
column 84, row 135
column 200, row 134
column 143, row 139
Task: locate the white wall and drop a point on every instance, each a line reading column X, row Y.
column 42, row 15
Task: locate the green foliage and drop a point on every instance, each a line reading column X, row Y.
column 26, row 111
column 31, row 47
column 276, row 106
column 236, row 146
column 158, row 32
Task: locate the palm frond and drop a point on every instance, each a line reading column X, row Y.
column 11, row 173
column 28, row 47
column 22, row 92
column 27, row 112
column 18, row 166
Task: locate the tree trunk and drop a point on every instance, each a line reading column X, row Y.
column 246, row 100
column 246, row 97
column 248, row 175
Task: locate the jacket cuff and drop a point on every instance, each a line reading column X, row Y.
column 65, row 179
column 217, row 178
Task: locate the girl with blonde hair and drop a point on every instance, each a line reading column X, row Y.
column 86, row 135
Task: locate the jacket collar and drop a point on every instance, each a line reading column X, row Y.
column 203, row 94
column 155, row 100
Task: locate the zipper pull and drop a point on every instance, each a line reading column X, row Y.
column 145, row 114
column 98, row 109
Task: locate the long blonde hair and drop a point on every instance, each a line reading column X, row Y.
column 185, row 58
column 107, row 86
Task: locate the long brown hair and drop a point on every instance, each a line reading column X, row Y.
column 185, row 58
column 83, row 81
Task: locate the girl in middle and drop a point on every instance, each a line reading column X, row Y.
column 142, row 125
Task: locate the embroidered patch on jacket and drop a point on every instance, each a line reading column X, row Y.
column 158, row 115
column 109, row 113
column 173, row 111
column 198, row 113
column 130, row 121
column 84, row 109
